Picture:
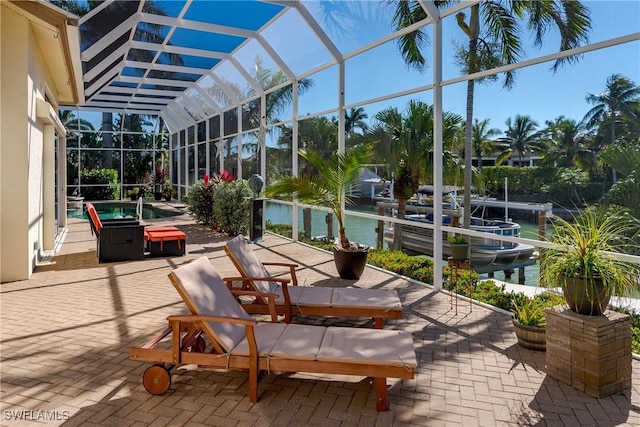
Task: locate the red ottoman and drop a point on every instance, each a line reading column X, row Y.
column 165, row 241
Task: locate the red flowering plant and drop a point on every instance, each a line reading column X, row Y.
column 223, row 177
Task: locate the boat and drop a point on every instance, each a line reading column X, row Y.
column 487, row 254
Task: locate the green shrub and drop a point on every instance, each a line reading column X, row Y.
column 100, row 184
column 418, row 268
column 549, row 299
column 231, row 208
column 527, row 179
column 200, row 202
column 543, row 184
column 280, row 229
column 635, row 328
column 488, row 292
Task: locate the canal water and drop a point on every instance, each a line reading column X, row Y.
column 363, row 230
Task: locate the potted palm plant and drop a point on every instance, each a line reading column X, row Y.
column 329, row 186
column 583, row 265
column 529, row 320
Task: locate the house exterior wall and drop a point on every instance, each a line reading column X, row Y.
column 23, row 79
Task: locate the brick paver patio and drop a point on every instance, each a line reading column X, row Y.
column 66, row 334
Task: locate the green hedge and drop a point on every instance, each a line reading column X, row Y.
column 221, row 205
column 540, row 185
column 106, row 183
column 231, row 207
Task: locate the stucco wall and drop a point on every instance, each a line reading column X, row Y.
column 22, row 75
column 14, row 126
column 36, row 89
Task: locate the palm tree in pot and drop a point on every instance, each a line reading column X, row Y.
column 583, row 264
column 329, row 186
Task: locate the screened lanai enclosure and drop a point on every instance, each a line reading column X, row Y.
column 198, row 87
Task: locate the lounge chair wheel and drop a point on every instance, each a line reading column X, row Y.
column 156, row 379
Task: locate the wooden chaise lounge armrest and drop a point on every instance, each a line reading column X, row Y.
column 201, row 318
column 271, row 300
column 280, row 264
column 292, row 269
column 229, row 280
column 242, row 292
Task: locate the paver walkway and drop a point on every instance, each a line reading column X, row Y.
column 66, row 333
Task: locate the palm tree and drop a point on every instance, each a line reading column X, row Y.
column 328, row 184
column 406, row 136
column 625, row 192
column 72, row 123
column 482, row 141
column 277, row 101
column 619, row 102
column 493, row 29
column 406, row 140
column 565, row 144
column 355, row 118
column 521, row 136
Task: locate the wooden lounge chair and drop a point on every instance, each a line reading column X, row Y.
column 307, row 300
column 219, row 333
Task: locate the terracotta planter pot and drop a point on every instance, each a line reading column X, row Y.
column 350, row 264
column 531, row 337
column 586, row 297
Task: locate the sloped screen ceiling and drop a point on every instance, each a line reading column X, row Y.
column 144, row 56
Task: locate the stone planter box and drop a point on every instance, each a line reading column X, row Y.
column 590, row 353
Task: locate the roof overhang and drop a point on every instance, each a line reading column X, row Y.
column 56, row 33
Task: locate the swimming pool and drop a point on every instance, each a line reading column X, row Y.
column 124, row 209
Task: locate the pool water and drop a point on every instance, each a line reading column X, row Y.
column 113, row 210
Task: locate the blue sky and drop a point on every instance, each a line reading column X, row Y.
column 538, row 91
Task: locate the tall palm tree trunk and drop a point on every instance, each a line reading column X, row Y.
column 397, row 228
column 613, row 141
column 468, row 137
column 107, row 138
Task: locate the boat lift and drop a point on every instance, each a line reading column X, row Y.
column 545, row 210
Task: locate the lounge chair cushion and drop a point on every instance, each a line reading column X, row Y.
column 267, row 334
column 252, row 265
column 206, row 294
column 357, row 345
column 307, row 296
column 356, row 297
column 300, row 342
